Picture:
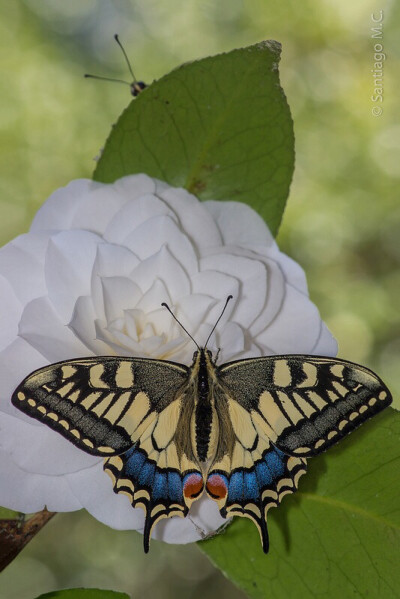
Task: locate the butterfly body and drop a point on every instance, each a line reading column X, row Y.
column 239, row 432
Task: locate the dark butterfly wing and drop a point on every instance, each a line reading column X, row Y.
column 160, row 473
column 98, row 403
column 275, row 411
column 136, row 412
column 305, row 404
column 249, row 474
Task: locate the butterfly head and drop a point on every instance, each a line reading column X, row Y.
column 203, row 354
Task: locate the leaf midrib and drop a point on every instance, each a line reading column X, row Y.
column 337, row 503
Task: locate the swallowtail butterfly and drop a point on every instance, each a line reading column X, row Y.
column 240, row 432
column 135, row 85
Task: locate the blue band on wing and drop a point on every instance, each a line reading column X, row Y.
column 175, row 492
column 133, row 462
column 160, row 486
column 245, row 485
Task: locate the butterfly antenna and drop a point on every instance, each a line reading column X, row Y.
column 126, row 57
column 106, row 79
column 164, row 305
column 228, row 299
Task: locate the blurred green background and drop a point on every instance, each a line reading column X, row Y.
column 342, row 222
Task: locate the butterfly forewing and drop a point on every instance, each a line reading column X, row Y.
column 304, row 404
column 98, row 403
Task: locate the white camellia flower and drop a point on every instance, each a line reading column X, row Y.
column 89, row 278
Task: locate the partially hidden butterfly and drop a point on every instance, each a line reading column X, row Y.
column 135, row 86
column 240, row 432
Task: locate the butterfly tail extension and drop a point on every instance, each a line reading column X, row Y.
column 250, row 492
column 160, row 492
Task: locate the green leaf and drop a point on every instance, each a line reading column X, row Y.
column 219, row 127
column 84, row 594
column 6, row 514
column 338, row 537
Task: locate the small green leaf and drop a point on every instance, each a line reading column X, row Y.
column 219, row 127
column 6, row 514
column 339, row 536
column 84, row 594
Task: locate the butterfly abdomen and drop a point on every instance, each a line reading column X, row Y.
column 204, row 411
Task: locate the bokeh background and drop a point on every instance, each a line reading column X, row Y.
column 342, row 221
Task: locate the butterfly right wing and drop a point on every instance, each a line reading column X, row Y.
column 304, row 404
column 273, row 413
column 249, row 474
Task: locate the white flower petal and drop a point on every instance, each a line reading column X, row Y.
column 10, row 312
column 253, row 277
column 203, row 519
column 151, row 236
column 17, row 361
column 137, row 186
column 297, row 327
column 230, row 217
column 193, row 310
column 134, row 214
column 83, row 326
column 194, row 218
column 105, row 202
column 164, row 266
column 150, row 300
column 35, row 491
column 59, row 210
column 120, row 293
column 111, row 261
column 220, row 283
column 326, row 344
column 93, row 489
column 42, row 328
column 294, row 274
column 49, row 453
column 68, row 267
column 21, row 263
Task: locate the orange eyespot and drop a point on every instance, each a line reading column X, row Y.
column 192, row 485
column 217, row 486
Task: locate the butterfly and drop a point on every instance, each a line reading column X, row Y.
column 240, row 432
column 135, row 86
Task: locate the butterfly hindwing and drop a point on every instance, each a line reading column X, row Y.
column 161, row 491
column 160, row 473
column 304, row 404
column 249, row 475
column 99, row 403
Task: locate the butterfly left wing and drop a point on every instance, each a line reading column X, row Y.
column 136, row 412
column 274, row 412
column 98, row 403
